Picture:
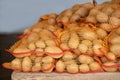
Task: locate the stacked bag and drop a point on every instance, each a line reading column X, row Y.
column 82, row 39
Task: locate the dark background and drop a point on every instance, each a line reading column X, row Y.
column 6, row 41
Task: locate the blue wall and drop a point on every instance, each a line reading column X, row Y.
column 15, row 15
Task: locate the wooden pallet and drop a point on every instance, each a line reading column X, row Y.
column 65, row 76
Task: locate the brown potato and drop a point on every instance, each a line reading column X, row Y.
column 96, row 49
column 16, row 64
column 82, row 11
column 21, row 52
column 72, row 68
column 26, row 64
column 91, row 19
column 115, row 40
column 73, row 38
column 114, row 21
column 69, row 62
column 118, row 31
column 47, row 67
column 40, row 44
column 84, row 68
column 82, row 48
column 36, row 67
column 60, row 66
column 106, row 26
column 85, row 59
column 93, row 12
column 31, row 46
column 38, row 60
column 74, row 18
column 64, row 46
column 47, row 59
column 86, row 42
column 102, row 17
column 109, row 69
column 68, row 56
column 32, row 37
column 101, row 33
column 94, row 66
column 115, row 49
column 108, row 10
column 50, row 42
column 111, row 56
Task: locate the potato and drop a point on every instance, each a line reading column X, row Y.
column 51, row 28
column 94, row 66
column 65, row 37
column 68, row 56
column 107, row 27
column 102, row 17
column 64, row 46
column 83, row 12
column 32, row 37
column 101, row 33
column 46, row 34
column 86, row 42
column 97, row 41
column 115, row 49
column 93, row 12
column 51, row 21
column 53, row 49
column 72, row 68
column 65, row 19
column 68, row 12
column 108, row 10
column 82, row 48
column 38, row 60
column 115, row 40
column 91, row 19
column 76, row 7
column 36, row 67
column 116, row 13
column 114, row 21
column 111, row 56
column 47, row 59
column 74, row 18
column 40, row 44
column 47, row 67
column 18, row 52
column 26, row 64
column 60, row 66
column 85, row 59
column 50, row 42
column 109, row 69
column 54, row 52
column 31, row 46
column 16, row 64
column 86, row 34
column 118, row 31
column 84, row 68
column 96, row 49
column 73, row 41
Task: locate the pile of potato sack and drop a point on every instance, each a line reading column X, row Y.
column 82, row 39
